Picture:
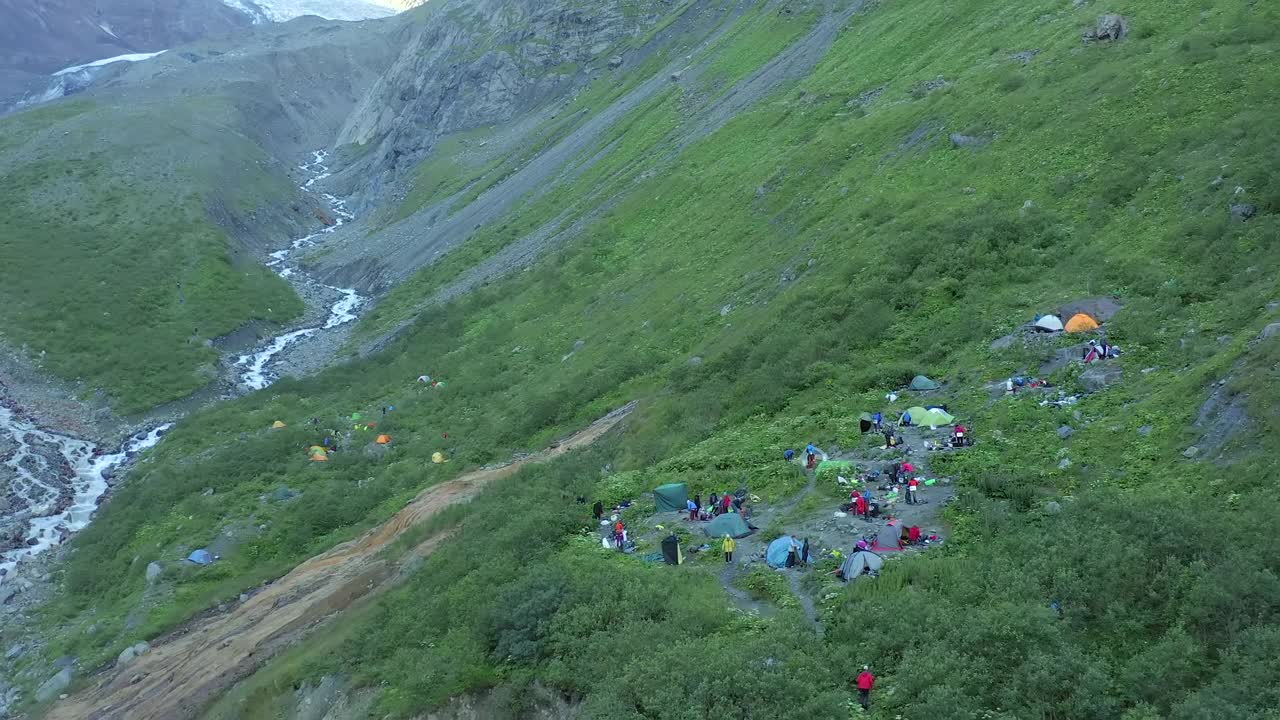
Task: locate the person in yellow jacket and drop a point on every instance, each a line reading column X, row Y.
column 729, row 545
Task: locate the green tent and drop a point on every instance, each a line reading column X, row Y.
column 357, row 416
column 671, row 497
column 730, row 524
column 920, row 382
column 934, row 417
column 865, row 421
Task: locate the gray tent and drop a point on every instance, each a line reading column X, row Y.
column 887, row 537
column 920, row 382
column 731, row 524
column 859, row 562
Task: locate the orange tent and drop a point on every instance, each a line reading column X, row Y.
column 383, row 439
column 319, row 457
column 1081, row 323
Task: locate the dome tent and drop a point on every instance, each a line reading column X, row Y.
column 201, row 557
column 1080, row 323
column 930, row 417
column 859, row 562
column 920, row 382
column 1049, row 323
column 776, row 555
column 672, row 497
column 731, row 524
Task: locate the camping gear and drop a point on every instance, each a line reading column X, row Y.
column 383, row 439
column 671, row 550
column 934, row 417
column 1080, row 323
column 731, row 524
column 776, row 555
column 860, row 561
column 865, row 422
column 920, row 382
column 672, row 497
column 1048, row 323
column 277, row 424
column 201, row 557
column 887, row 537
column 437, row 457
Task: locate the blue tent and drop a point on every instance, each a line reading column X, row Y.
column 202, row 557
column 776, row 555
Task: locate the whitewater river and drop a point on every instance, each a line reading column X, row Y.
column 254, row 368
column 55, row 482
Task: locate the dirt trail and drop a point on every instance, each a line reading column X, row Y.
column 188, row 669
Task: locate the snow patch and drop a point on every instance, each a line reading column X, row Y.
column 132, row 57
column 282, row 10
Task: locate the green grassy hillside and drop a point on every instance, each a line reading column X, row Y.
column 111, row 269
column 815, row 253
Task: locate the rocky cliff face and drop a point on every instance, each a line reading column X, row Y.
column 481, row 63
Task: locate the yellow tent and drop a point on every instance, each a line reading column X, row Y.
column 383, row 439
column 1081, row 323
column 437, row 457
column 277, row 424
column 319, row 457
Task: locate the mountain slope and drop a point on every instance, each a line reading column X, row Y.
column 758, row 247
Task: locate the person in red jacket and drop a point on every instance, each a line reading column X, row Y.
column 865, row 682
column 913, row 485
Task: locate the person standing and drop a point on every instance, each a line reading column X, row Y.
column 728, row 545
column 877, row 421
column 865, row 682
column 619, row 534
column 597, row 510
column 811, row 456
column 859, row 505
column 912, row 486
column 697, row 502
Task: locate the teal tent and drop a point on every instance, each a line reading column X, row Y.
column 672, row 497
column 927, row 417
column 776, row 555
column 920, row 382
column 200, row 557
column 730, row 524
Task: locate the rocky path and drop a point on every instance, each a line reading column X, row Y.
column 188, row 669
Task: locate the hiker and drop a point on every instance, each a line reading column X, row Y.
column 619, row 534
column 597, row 510
column 788, row 454
column 811, row 456
column 913, row 535
column 859, row 504
column 866, row 681
column 792, row 551
column 913, row 486
column 728, row 545
column 906, row 419
column 1090, row 352
column 877, row 421
column 725, row 503
column 692, row 507
column 804, row 552
column 697, row 502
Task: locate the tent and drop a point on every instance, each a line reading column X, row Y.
column 356, row 416
column 320, row 457
column 201, row 557
column 671, row 550
column 860, row 561
column 776, row 555
column 931, row 417
column 672, row 497
column 277, row 424
column 731, row 524
column 865, row 421
column 1080, row 323
column 437, row 457
column 1049, row 323
column 887, row 538
column 383, row 439
column 920, row 382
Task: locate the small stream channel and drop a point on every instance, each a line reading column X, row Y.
column 255, row 368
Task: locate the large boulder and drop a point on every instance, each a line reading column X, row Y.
column 54, row 686
column 1270, row 331
column 1100, row 375
column 1111, row 26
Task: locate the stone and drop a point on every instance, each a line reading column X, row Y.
column 1025, row 56
column 284, row 494
column 579, row 344
column 961, row 140
column 675, row 76
column 154, row 570
column 1100, row 375
column 126, row 656
column 1064, row 463
column 7, row 592
column 1191, row 452
column 65, row 661
column 1003, row 343
column 1052, row 507
column 1027, row 207
column 1077, row 415
column 695, row 361
column 1111, row 26
column 725, row 310
column 1145, row 430
column 1065, row 432
column 54, row 686
column 1270, row 331
column 615, row 62
column 244, row 597
column 15, row 651
column 1243, row 211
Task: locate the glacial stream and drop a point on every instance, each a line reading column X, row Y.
column 255, row 367
column 56, row 483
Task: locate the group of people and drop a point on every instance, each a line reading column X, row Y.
column 1099, row 350
column 716, row 505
